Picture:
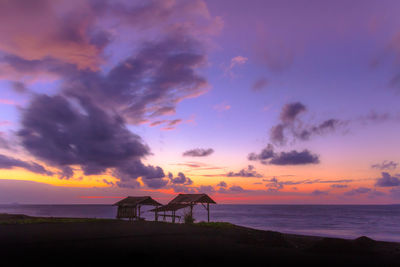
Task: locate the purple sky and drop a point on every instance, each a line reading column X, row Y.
column 249, row 101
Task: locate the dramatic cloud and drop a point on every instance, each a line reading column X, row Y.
column 83, row 125
column 148, row 84
column 62, row 136
column 69, row 44
column 249, row 172
column 385, row 165
column 9, row 163
column 387, row 180
column 268, row 156
column 198, row 152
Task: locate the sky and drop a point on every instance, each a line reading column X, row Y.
column 264, row 101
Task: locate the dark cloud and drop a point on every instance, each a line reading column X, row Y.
column 268, row 156
column 277, row 134
column 385, row 165
column 325, row 127
column 147, row 84
column 61, row 135
column 9, row 163
column 266, row 153
column 291, row 126
column 66, row 172
column 249, row 172
column 198, row 152
column 387, row 180
column 84, row 124
column 155, row 183
column 180, row 179
column 295, row 158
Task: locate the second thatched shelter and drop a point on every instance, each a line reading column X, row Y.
column 183, row 201
column 129, row 207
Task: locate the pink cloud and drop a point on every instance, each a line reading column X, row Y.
column 34, row 31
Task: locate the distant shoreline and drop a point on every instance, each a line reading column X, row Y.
column 216, row 242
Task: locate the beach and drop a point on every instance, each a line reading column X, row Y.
column 82, row 241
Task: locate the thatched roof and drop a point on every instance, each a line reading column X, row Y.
column 192, row 198
column 171, row 207
column 134, row 201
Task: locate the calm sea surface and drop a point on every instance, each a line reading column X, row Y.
column 380, row 222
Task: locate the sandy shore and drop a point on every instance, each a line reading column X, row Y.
column 26, row 239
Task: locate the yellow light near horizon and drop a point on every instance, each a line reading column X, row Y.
column 85, row 181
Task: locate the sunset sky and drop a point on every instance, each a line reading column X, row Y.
column 292, row 102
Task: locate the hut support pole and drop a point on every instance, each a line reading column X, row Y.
column 208, row 212
column 191, row 210
column 139, row 212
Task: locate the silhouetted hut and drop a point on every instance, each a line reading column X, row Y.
column 129, row 207
column 183, row 201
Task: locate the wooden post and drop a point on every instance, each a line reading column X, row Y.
column 173, row 216
column 139, row 212
column 191, row 209
column 156, row 215
column 208, row 212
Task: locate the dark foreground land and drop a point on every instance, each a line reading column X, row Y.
column 27, row 240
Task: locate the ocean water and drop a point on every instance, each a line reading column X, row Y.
column 380, row 222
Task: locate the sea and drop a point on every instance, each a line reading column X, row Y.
column 379, row 222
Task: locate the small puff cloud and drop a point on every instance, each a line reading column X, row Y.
column 268, row 156
column 249, row 172
column 198, row 152
column 387, row 180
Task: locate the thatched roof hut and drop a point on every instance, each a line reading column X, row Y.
column 183, row 201
column 129, row 207
column 192, row 199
